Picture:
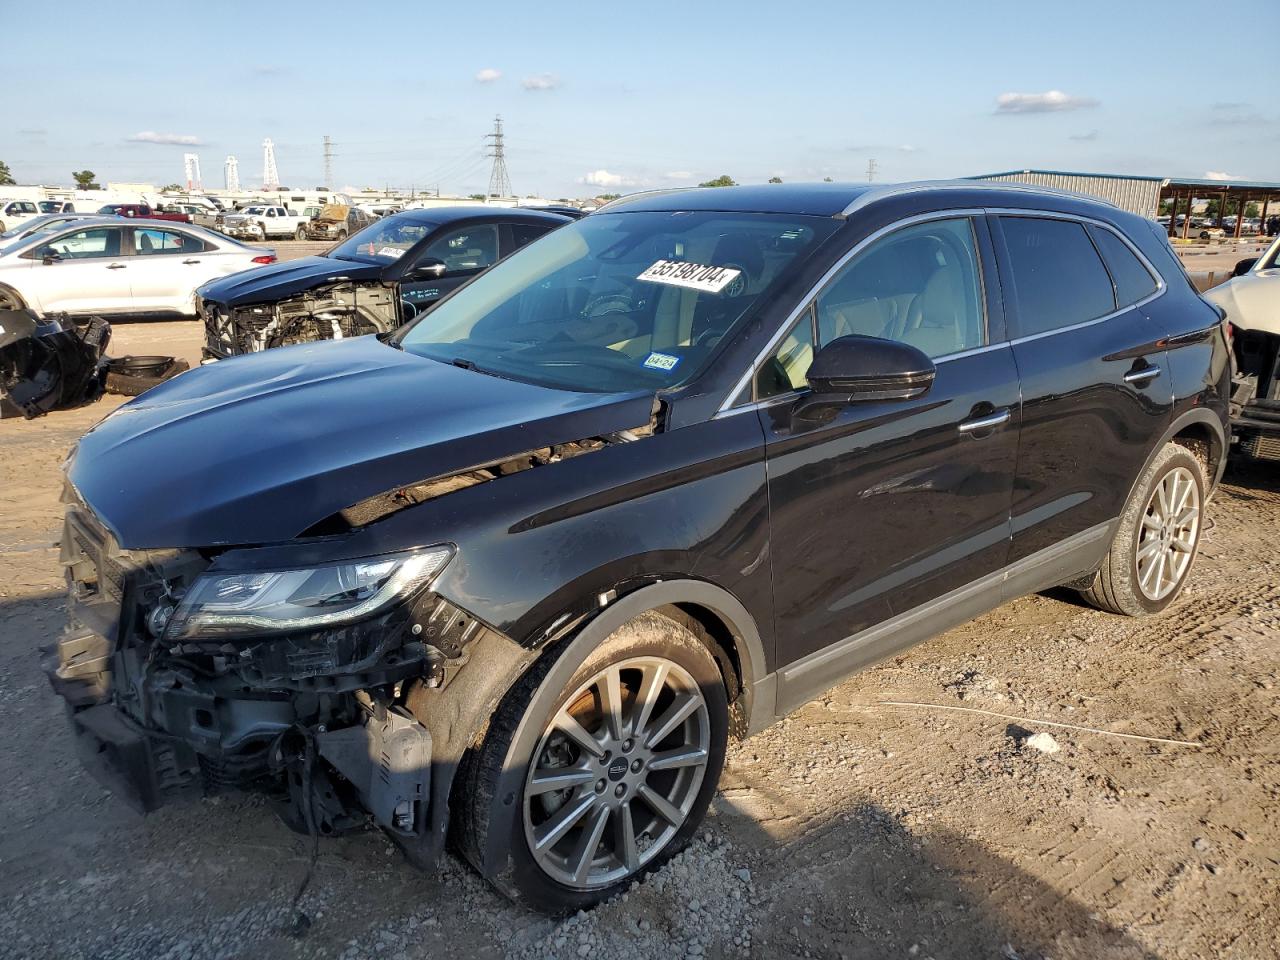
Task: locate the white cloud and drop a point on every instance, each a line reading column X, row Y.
column 603, row 178
column 907, row 148
column 541, row 81
column 1084, row 137
column 168, row 139
column 1051, row 101
column 488, row 75
column 1219, row 175
column 679, row 175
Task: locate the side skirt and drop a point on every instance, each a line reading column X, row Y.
column 798, row 682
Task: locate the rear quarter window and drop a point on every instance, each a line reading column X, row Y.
column 1058, row 278
column 1133, row 281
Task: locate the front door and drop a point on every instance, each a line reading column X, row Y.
column 892, row 504
column 464, row 251
column 85, row 273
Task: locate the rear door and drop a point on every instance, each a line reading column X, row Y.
column 1095, row 387
column 88, row 271
column 166, row 266
column 892, row 504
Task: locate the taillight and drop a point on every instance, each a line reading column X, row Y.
column 265, row 258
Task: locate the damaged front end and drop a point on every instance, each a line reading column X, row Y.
column 185, row 672
column 335, row 312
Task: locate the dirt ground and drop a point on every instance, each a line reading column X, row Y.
column 856, row 828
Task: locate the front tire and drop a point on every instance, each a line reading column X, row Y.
column 581, row 787
column 300, row 233
column 1157, row 540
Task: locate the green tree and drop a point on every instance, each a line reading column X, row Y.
column 6, row 177
column 85, row 180
column 171, row 188
column 724, row 180
column 476, row 196
column 827, row 180
column 775, row 179
column 1251, row 210
column 608, row 196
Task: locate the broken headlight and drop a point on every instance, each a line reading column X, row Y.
column 274, row 601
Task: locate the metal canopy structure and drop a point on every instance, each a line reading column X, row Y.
column 1143, row 194
column 1240, row 192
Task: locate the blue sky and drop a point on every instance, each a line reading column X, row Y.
column 616, row 98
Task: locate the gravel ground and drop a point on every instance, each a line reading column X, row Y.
column 856, row 828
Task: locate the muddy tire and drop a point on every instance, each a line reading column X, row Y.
column 582, row 786
column 300, row 233
column 342, row 234
column 1155, row 544
column 134, row 376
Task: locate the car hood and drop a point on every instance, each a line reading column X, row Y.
column 259, row 448
column 280, row 280
column 1252, row 301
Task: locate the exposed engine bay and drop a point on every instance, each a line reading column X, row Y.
column 335, row 312
column 50, row 364
column 1255, row 399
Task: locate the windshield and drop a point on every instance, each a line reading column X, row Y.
column 384, row 241
column 618, row 301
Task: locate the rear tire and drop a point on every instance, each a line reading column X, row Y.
column 1155, row 544
column 632, row 795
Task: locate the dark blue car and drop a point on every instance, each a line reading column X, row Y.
column 369, row 282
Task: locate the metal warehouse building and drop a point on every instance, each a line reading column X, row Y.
column 1142, row 195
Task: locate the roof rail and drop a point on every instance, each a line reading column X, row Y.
column 641, row 194
column 878, row 193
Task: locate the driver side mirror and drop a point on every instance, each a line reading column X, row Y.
column 1243, row 266
column 429, row 269
column 856, row 369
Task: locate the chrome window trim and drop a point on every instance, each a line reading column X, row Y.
column 1161, row 286
column 813, row 291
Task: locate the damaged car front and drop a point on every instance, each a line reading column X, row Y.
column 324, row 571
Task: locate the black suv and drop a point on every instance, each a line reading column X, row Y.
column 510, row 576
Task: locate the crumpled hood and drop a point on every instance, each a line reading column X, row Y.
column 278, row 280
column 259, row 448
column 1252, row 301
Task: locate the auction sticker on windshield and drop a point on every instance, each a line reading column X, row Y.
column 695, row 276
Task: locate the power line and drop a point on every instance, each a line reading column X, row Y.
column 499, row 182
column 328, row 162
column 872, row 169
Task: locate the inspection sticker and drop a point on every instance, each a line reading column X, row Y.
column 661, row 361
column 695, row 276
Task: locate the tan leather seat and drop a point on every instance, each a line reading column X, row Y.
column 936, row 319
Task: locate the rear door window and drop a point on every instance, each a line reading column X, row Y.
column 1058, row 278
column 153, row 242
column 1133, row 281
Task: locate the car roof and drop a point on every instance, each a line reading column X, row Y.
column 839, row 200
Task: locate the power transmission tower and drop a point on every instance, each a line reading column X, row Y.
column 499, row 182
column 270, row 178
column 231, row 174
column 872, row 169
column 328, row 163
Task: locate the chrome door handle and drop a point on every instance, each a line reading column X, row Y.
column 1144, row 375
column 987, row 422
column 116, row 266
column 190, row 261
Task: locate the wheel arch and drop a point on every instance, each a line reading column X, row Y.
column 458, row 714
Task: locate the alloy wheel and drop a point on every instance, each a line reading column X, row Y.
column 616, row 773
column 1168, row 534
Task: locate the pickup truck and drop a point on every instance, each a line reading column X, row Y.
column 142, row 211
column 260, row 222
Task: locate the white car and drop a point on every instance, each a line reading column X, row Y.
column 14, row 212
column 116, row 267
column 1251, row 301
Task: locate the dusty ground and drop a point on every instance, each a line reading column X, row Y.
column 853, row 829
